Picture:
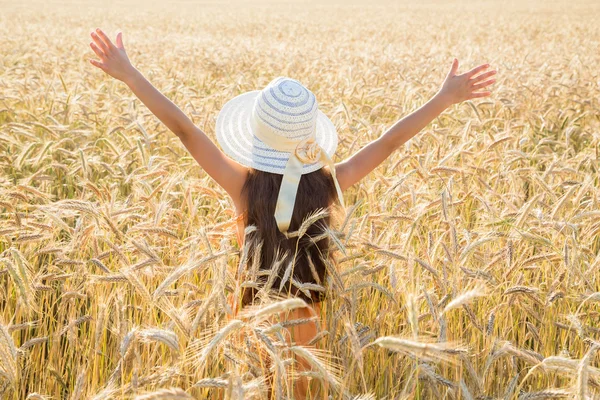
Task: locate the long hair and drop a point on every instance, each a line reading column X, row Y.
column 316, row 191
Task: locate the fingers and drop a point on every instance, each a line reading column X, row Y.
column 476, row 70
column 483, row 84
column 120, row 41
column 481, row 77
column 99, row 43
column 97, row 50
column 454, row 68
column 109, row 45
column 479, row 94
column 97, row 63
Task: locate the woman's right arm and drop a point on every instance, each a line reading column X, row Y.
column 455, row 89
column 114, row 61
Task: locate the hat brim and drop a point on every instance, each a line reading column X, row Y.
column 234, row 134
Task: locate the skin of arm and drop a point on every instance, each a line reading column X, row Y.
column 229, row 174
column 455, row 89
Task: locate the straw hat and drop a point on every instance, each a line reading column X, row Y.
column 279, row 129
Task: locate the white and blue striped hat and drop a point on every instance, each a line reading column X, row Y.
column 285, row 108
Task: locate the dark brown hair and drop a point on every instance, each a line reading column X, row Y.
column 316, row 190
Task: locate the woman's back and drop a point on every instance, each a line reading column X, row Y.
column 294, row 261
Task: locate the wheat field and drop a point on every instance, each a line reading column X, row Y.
column 469, row 261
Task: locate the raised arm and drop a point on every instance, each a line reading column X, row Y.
column 455, row 89
column 114, row 61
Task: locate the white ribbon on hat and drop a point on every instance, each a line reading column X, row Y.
column 304, row 151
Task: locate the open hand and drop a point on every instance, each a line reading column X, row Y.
column 113, row 59
column 458, row 88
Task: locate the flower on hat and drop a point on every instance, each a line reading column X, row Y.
column 308, row 150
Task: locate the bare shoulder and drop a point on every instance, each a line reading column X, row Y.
column 227, row 172
column 344, row 175
column 238, row 178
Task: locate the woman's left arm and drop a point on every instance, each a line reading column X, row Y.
column 455, row 89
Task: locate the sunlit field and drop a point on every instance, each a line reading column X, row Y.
column 469, row 261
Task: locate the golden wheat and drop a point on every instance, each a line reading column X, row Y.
column 470, row 257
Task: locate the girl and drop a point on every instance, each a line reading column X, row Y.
column 276, row 144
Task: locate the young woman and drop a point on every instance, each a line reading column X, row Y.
column 276, row 144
